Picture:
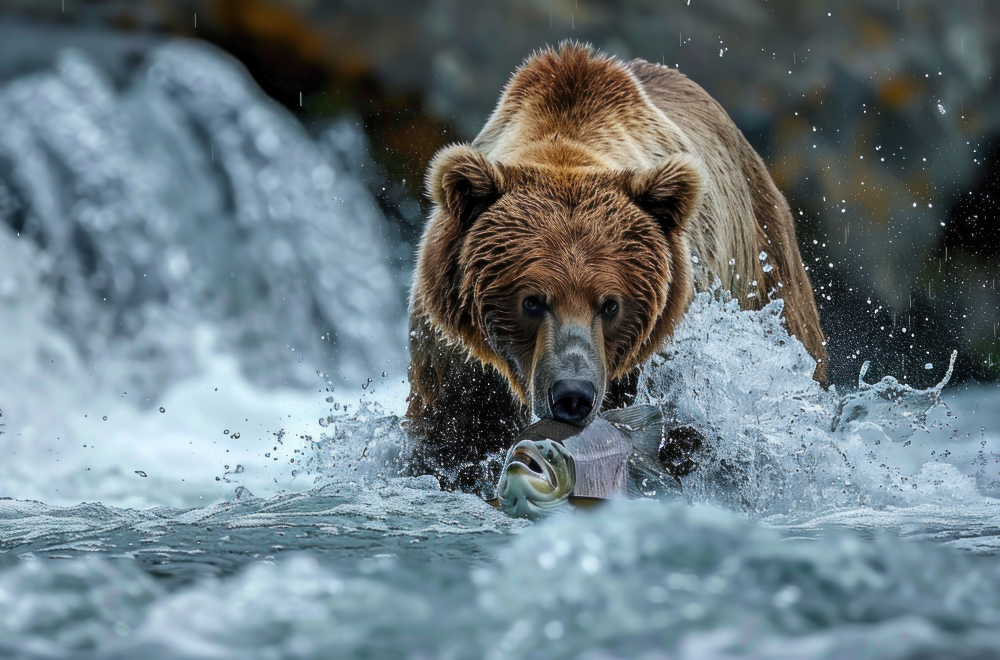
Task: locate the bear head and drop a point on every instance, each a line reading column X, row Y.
column 564, row 279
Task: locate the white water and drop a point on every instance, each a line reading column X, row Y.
column 792, row 548
column 883, row 456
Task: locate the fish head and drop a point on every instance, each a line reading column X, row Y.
column 537, row 479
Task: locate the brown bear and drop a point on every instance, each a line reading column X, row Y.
column 567, row 241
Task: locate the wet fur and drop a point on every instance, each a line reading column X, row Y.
column 591, row 176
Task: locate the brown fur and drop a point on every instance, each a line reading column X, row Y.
column 593, row 180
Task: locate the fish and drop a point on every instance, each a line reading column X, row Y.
column 553, row 464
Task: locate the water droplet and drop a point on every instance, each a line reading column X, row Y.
column 940, row 108
column 384, row 374
column 141, row 473
column 226, row 432
column 235, row 436
column 762, row 256
column 105, row 418
column 300, row 360
column 329, row 399
column 732, row 262
column 928, row 366
column 323, row 422
column 238, row 470
column 162, row 409
column 225, row 467
column 767, row 268
column 319, row 373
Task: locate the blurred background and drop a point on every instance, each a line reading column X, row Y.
column 256, row 166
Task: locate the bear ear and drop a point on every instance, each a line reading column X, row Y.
column 463, row 182
column 670, row 192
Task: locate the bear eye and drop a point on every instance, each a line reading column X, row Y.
column 533, row 306
column 610, row 308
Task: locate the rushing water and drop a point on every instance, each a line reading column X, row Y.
column 172, row 485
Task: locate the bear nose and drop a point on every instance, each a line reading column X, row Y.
column 572, row 400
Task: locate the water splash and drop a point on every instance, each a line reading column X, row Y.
column 778, row 444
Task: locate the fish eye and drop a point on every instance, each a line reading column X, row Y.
column 610, row 307
column 533, row 306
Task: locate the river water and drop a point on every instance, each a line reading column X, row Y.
column 201, row 380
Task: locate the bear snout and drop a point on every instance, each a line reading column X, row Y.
column 569, row 372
